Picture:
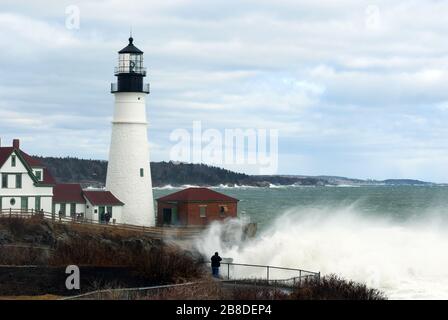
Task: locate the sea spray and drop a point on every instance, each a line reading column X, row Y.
column 406, row 259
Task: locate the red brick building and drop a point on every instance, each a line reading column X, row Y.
column 195, row 207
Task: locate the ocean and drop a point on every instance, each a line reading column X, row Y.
column 393, row 238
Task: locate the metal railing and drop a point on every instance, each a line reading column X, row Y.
column 127, row 293
column 155, row 291
column 114, row 87
column 300, row 274
column 156, row 232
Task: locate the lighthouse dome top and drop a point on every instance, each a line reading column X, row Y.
column 130, row 48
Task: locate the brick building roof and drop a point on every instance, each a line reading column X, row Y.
column 197, row 194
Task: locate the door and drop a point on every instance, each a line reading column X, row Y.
column 101, row 217
column 62, row 210
column 37, row 204
column 174, row 216
column 109, row 214
column 166, row 215
column 24, row 203
column 72, row 210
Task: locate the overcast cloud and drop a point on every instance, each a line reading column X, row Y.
column 355, row 88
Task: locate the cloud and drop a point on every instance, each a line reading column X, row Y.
column 347, row 98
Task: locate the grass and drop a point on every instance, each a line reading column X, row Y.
column 160, row 264
column 86, row 245
column 328, row 288
column 22, row 255
column 333, row 287
column 42, row 297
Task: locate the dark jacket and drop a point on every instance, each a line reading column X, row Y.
column 216, row 261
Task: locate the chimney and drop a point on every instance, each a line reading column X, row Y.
column 16, row 143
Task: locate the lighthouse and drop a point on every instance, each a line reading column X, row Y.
column 128, row 171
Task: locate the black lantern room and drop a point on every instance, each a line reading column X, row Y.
column 130, row 71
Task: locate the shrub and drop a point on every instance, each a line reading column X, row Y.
column 16, row 225
column 333, row 287
column 158, row 264
column 22, row 255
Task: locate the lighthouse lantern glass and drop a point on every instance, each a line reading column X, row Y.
column 130, row 63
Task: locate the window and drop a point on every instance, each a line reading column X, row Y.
column 13, row 160
column 37, row 204
column 72, row 209
column 203, row 211
column 18, row 181
column 142, row 172
column 24, row 203
column 62, row 209
column 4, row 180
column 12, row 202
column 38, row 175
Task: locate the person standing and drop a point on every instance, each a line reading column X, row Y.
column 216, row 263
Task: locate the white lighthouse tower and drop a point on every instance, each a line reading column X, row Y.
column 128, row 171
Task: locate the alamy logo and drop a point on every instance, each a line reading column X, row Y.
column 373, row 17
column 73, row 280
column 250, row 147
column 73, row 19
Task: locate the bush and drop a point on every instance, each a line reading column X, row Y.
column 333, row 287
column 16, row 225
column 167, row 264
column 22, row 255
column 158, row 264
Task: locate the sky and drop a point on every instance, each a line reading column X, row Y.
column 354, row 88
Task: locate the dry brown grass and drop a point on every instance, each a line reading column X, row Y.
column 89, row 245
column 159, row 264
column 208, row 290
column 42, row 297
column 22, row 255
column 333, row 287
column 254, row 293
column 103, row 230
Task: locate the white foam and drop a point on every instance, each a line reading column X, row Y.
column 407, row 260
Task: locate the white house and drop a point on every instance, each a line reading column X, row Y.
column 68, row 200
column 27, row 185
column 101, row 202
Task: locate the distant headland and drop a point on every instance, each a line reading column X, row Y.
column 93, row 173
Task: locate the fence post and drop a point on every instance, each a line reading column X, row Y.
column 228, row 271
column 10, row 212
column 300, row 278
column 267, row 268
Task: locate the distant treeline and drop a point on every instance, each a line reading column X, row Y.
column 93, row 172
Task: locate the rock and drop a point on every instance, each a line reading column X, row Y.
column 5, row 237
column 40, row 234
